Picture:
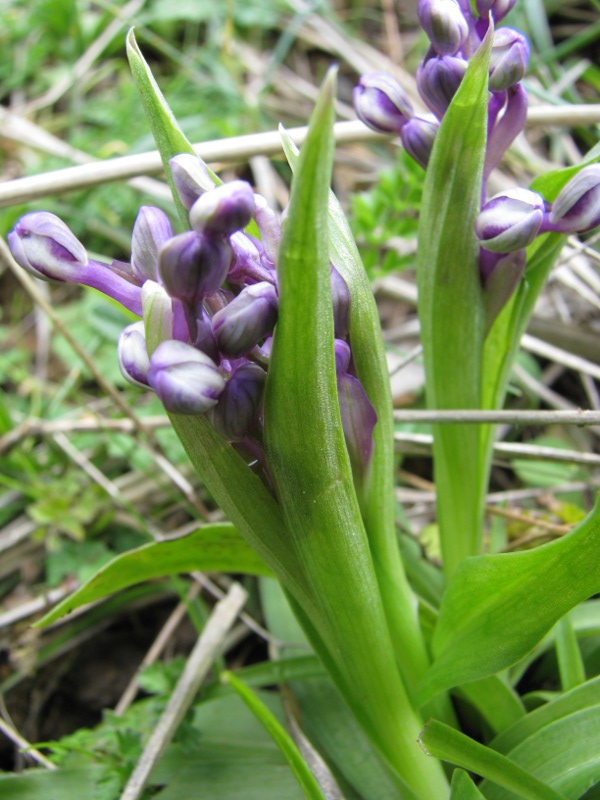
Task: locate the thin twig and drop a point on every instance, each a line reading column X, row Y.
column 579, row 417
column 234, row 149
column 207, row 649
column 157, row 647
column 21, row 742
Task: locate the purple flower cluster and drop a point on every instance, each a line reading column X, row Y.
column 511, row 220
column 209, row 302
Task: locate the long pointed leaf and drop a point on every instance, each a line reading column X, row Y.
column 451, row 306
column 498, row 607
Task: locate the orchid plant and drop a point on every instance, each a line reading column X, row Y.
column 261, row 337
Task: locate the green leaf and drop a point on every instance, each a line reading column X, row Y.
column 377, row 497
column 450, row 745
column 578, row 699
column 282, row 739
column 213, row 548
column 170, row 139
column 463, row 788
column 66, row 784
column 498, row 607
column 309, row 462
column 564, row 754
column 451, row 307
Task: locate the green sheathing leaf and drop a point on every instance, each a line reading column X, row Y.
column 578, row 699
column 236, row 758
column 450, row 745
column 212, row 548
column 309, row 463
column 170, row 139
column 377, row 495
column 463, row 787
column 564, row 754
column 451, row 307
column 496, row 701
column 280, row 736
column 498, row 607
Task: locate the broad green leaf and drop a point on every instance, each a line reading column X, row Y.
column 212, row 548
column 578, row 699
column 463, row 788
column 60, row 784
column 498, row 607
column 564, row 754
column 451, row 306
column 236, row 759
column 450, row 745
column 282, row 739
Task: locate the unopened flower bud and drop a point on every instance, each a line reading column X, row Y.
column 192, row 265
column 152, row 229
column 269, row 224
column 223, row 210
column 248, row 263
column 498, row 8
column 158, row 314
column 342, row 355
column 358, row 420
column 444, row 23
column 510, row 56
column 191, row 178
column 247, row 319
column 510, row 220
column 418, row 137
column 133, row 355
column 186, row 380
column 381, row 103
column 237, row 409
column 577, row 207
column 438, row 81
column 501, row 282
column 341, row 303
column 44, row 246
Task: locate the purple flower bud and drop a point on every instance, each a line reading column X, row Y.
column 269, row 225
column 444, row 23
column 192, row 265
column 44, row 246
column 186, row 380
column 151, row 230
column 342, row 355
column 438, row 81
column 341, row 303
column 505, row 129
column 133, row 354
column 202, row 336
column 381, row 103
column 510, row 220
column 248, row 263
column 577, row 207
column 501, row 282
column 237, row 409
column 499, row 8
column 358, row 420
column 246, row 320
column 510, row 56
column 418, row 137
column 191, row 177
column 223, row 210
